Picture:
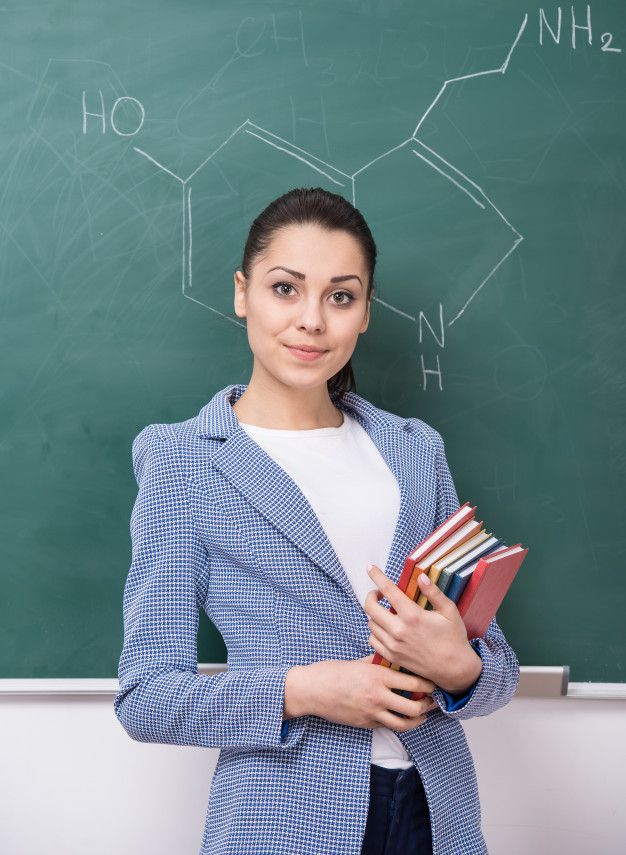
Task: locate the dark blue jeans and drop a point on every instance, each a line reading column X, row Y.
column 398, row 822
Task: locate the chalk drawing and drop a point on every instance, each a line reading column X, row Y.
column 346, row 184
column 554, row 30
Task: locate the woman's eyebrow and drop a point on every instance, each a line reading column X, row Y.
column 302, row 276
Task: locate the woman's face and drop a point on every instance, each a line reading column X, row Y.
column 290, row 300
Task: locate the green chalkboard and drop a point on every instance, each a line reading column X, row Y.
column 484, row 141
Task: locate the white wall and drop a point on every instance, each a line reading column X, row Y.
column 551, row 774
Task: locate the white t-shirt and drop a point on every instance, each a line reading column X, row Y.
column 356, row 498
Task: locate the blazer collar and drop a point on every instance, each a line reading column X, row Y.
column 217, row 419
column 274, row 494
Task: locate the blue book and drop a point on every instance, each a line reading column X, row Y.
column 462, row 575
column 471, row 558
column 460, row 580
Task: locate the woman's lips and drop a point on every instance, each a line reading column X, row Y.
column 306, row 355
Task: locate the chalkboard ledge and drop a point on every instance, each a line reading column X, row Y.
column 536, row 681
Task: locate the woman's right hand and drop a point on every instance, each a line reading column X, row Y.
column 352, row 692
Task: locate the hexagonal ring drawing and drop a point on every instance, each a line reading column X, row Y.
column 252, row 166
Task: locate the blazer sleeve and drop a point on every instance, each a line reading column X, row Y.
column 161, row 696
column 499, row 677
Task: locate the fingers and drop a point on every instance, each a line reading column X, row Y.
column 435, row 596
column 407, row 682
column 395, row 703
column 415, row 713
column 397, row 598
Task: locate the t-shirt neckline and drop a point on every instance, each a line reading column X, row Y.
column 307, row 432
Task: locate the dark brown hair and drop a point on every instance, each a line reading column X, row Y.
column 328, row 210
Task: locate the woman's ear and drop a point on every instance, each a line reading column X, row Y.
column 240, row 294
column 366, row 319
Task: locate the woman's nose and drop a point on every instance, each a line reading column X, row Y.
column 311, row 316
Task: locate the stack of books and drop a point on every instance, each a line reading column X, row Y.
column 471, row 566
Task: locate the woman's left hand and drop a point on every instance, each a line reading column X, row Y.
column 432, row 644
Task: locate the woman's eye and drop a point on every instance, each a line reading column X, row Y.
column 282, row 285
column 346, row 297
column 346, row 294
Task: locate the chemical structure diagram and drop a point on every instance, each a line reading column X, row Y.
column 443, row 237
column 249, row 138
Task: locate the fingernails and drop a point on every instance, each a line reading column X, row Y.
column 424, row 579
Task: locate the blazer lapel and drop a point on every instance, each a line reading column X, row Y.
column 275, row 495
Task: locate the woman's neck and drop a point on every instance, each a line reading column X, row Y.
column 265, row 405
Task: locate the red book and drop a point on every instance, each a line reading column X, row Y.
column 487, row 586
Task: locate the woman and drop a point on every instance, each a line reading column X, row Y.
column 265, row 510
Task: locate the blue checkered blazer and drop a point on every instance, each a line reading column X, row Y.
column 218, row 525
